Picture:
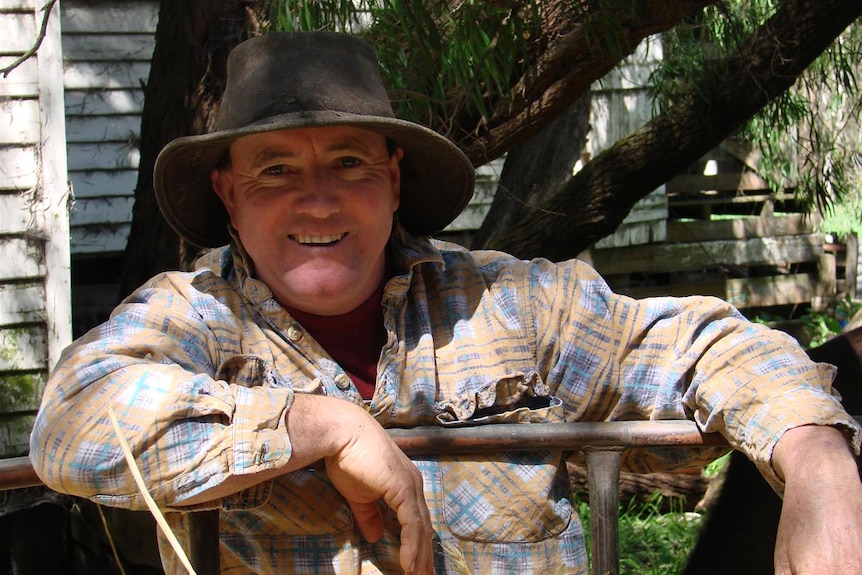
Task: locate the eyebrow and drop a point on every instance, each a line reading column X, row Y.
column 346, row 144
column 268, row 154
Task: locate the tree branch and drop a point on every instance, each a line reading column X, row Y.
column 596, row 200
column 39, row 39
column 566, row 70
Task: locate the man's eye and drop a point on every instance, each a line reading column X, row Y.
column 350, row 162
column 274, row 170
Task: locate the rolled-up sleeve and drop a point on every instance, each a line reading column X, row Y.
column 612, row 357
column 159, row 364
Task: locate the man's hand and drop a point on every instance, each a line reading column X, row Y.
column 365, row 465
column 820, row 530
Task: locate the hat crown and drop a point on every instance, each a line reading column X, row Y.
column 289, row 73
column 295, row 80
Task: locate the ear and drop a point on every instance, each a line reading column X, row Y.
column 395, row 176
column 222, row 184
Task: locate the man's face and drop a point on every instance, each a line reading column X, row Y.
column 313, row 208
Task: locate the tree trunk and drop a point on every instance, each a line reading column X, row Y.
column 596, row 200
column 186, row 81
column 542, row 163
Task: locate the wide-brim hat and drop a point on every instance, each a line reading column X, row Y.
column 289, row 80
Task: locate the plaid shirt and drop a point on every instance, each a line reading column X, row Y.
column 201, row 367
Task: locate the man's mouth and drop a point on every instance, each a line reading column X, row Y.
column 317, row 240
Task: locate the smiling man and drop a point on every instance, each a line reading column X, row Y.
column 261, row 383
column 314, row 206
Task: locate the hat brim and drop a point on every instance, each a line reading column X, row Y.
column 437, row 179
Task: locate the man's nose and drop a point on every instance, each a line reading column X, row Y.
column 320, row 197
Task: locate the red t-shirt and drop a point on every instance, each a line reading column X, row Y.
column 353, row 339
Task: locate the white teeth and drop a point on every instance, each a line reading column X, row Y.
column 317, row 239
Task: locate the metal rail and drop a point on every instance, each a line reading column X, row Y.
column 602, row 445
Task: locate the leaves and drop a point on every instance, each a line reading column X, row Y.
column 808, row 136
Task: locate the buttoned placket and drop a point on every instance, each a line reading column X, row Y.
column 336, row 382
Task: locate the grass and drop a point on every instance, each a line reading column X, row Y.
column 651, row 542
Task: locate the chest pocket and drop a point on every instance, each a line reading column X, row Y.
column 300, row 503
column 508, row 497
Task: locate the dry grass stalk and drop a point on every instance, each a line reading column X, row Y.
column 148, row 499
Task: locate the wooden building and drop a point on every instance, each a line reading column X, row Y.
column 35, row 307
column 69, row 153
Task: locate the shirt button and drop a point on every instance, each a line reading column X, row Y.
column 342, row 380
column 294, row 332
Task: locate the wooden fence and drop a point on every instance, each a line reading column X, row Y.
column 728, row 235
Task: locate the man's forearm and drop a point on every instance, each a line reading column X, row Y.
column 317, row 426
column 804, row 449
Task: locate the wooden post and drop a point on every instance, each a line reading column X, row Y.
column 55, row 198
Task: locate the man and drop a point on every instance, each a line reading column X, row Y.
column 261, row 383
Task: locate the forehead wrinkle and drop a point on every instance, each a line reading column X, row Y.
column 274, row 150
column 352, row 144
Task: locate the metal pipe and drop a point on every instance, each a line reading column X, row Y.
column 562, row 436
column 603, row 481
column 17, row 473
column 602, row 444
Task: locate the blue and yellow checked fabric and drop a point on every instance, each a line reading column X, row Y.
column 201, row 368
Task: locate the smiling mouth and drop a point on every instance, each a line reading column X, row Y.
column 317, row 240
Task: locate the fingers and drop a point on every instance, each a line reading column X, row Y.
column 417, row 551
column 369, row 519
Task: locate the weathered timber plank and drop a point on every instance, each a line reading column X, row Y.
column 22, row 303
column 742, row 293
column 705, row 199
column 126, row 47
column 15, row 434
column 692, row 184
column 104, row 102
column 661, row 258
column 100, row 239
column 628, row 234
column 23, row 348
column 18, row 168
column 16, row 6
column 118, row 17
column 105, row 75
column 21, row 82
column 22, row 258
column 20, row 122
column 98, row 183
column 18, row 31
column 105, row 211
column 103, row 156
column 16, row 215
column 742, row 228
column 96, row 129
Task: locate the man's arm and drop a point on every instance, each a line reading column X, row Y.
column 820, row 530
column 365, row 466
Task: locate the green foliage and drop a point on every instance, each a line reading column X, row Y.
column 439, row 62
column 715, row 467
column 823, row 326
column 808, row 137
column 652, row 542
column 846, row 217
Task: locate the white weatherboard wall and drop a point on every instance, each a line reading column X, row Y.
column 35, row 314
column 620, row 105
column 107, row 47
